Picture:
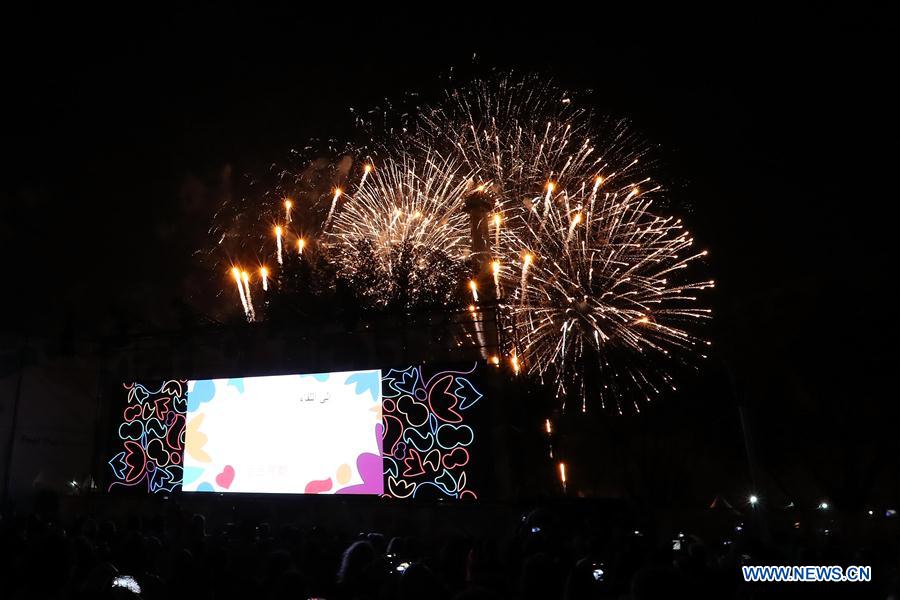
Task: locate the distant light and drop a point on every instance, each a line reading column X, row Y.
column 754, row 499
column 871, row 512
column 495, row 360
column 890, row 513
column 823, row 505
column 367, row 168
column 288, row 204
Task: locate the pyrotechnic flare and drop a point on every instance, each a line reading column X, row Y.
column 366, row 170
column 337, row 194
column 495, row 269
column 240, row 286
column 300, row 244
column 403, row 237
column 264, row 274
column 278, row 232
column 287, row 210
column 246, row 278
column 474, row 288
column 497, row 219
column 526, row 262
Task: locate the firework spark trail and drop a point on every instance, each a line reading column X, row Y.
column 280, row 255
column 240, row 286
column 526, row 262
column 403, row 237
column 246, row 278
column 287, row 210
column 264, row 275
column 366, row 170
column 337, row 194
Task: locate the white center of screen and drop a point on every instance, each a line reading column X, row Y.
column 283, row 434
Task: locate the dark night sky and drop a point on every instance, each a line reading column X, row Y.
column 768, row 122
column 773, row 129
column 769, row 125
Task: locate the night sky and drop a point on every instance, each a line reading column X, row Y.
column 771, row 130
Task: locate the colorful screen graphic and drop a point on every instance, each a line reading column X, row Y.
column 150, row 436
column 398, row 433
column 287, row 434
column 427, row 441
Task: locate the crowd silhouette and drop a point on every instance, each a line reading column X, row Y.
column 173, row 552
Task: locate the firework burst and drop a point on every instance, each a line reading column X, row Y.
column 401, row 238
column 596, row 285
column 602, row 293
column 516, row 133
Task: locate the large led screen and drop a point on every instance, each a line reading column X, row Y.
column 399, row 433
column 288, row 434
